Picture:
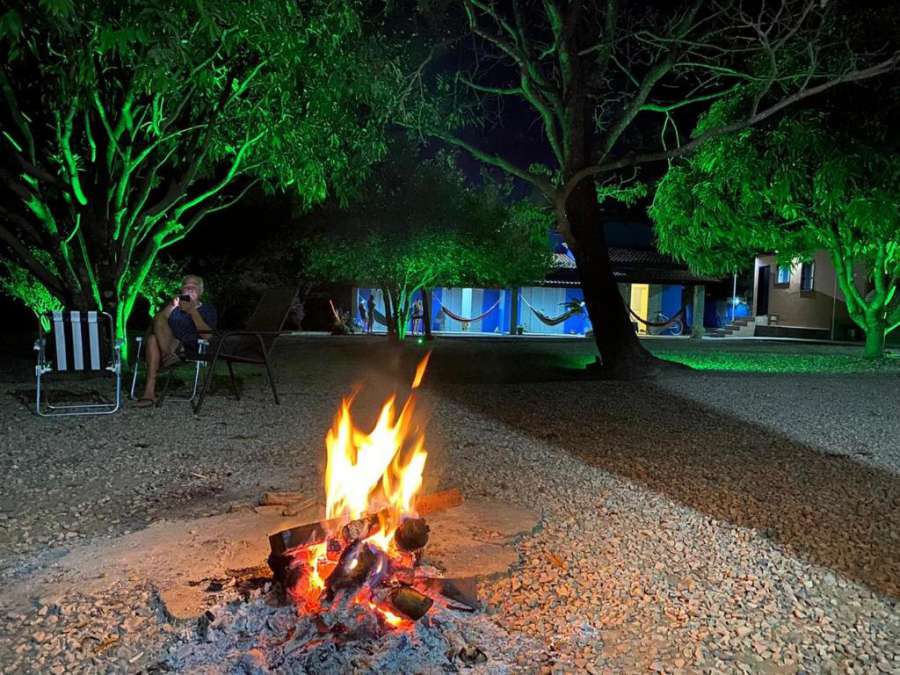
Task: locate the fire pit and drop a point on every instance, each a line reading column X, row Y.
column 358, row 572
column 354, row 592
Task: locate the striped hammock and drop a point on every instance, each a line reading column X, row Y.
column 577, row 309
column 462, row 319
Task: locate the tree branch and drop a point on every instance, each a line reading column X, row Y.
column 643, row 158
column 44, row 275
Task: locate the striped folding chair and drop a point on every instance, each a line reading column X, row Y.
column 78, row 342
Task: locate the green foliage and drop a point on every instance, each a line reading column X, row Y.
column 126, row 122
column 19, row 284
column 422, row 226
column 793, row 189
column 628, row 194
column 162, row 284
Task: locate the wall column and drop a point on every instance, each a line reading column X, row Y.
column 514, row 311
column 699, row 303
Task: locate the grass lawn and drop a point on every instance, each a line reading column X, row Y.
column 770, row 357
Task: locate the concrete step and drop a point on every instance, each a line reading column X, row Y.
column 745, row 326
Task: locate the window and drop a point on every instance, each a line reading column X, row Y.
column 806, row 276
column 784, row 275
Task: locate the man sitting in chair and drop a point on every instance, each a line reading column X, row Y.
column 175, row 331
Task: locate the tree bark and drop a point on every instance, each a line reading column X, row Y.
column 621, row 354
column 426, row 313
column 875, row 334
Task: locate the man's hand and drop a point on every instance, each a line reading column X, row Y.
column 187, row 306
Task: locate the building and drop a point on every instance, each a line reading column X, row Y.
column 800, row 300
column 653, row 285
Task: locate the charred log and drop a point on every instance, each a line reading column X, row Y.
column 412, row 535
column 356, row 563
column 409, row 602
column 463, row 591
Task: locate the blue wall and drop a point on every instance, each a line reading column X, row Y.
column 579, row 323
column 494, row 320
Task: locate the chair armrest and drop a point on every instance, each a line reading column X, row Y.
column 223, row 333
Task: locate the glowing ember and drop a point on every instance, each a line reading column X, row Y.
column 371, row 483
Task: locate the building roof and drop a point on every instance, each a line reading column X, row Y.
column 631, row 265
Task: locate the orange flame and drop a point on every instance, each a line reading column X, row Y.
column 367, row 473
column 420, row 371
column 376, row 471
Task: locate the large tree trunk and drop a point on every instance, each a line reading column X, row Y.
column 426, row 313
column 621, row 354
column 875, row 334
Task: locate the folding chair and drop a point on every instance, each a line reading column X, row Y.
column 252, row 345
column 197, row 364
column 78, row 342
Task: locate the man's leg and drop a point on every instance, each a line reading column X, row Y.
column 151, row 351
column 159, row 344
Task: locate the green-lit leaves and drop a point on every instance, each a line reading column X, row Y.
column 140, row 117
column 20, row 284
column 795, row 189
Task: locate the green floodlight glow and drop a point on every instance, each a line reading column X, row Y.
column 421, row 341
column 758, row 362
column 767, row 362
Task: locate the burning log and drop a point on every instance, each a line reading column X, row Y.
column 316, row 533
column 438, row 501
column 353, row 568
column 409, row 602
column 412, row 534
column 358, row 529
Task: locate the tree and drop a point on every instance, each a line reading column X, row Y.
column 420, row 225
column 609, row 84
column 19, row 284
column 127, row 122
column 795, row 188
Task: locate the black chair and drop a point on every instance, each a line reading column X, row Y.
column 78, row 342
column 251, row 345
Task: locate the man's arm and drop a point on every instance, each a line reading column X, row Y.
column 199, row 322
column 193, row 310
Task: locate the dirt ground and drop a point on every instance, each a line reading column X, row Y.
column 714, row 520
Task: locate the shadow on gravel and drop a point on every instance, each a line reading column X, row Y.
column 826, row 508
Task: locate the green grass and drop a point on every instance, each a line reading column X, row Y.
column 759, row 359
column 778, row 362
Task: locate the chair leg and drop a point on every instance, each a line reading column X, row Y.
column 196, row 380
column 271, row 379
column 137, row 367
column 210, row 369
column 37, row 398
column 234, row 386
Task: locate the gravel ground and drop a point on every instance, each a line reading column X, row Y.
column 708, row 521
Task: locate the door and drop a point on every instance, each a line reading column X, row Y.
column 762, row 291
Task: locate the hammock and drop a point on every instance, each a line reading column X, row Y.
column 660, row 324
column 555, row 320
column 462, row 319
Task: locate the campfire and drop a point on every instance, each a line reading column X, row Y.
column 360, row 572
